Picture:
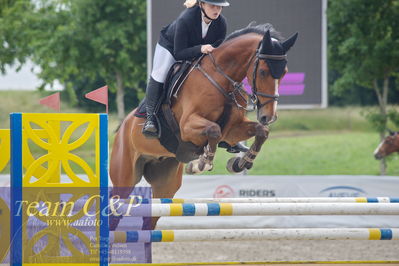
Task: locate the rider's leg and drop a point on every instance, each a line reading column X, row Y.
column 153, row 93
column 163, row 60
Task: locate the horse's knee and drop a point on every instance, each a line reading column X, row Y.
column 261, row 131
column 213, row 131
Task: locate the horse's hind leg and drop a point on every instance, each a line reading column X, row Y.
column 165, row 178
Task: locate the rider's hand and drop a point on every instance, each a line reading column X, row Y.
column 207, row 48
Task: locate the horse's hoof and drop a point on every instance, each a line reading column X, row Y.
column 189, row 168
column 248, row 165
column 192, row 168
column 197, row 167
column 232, row 165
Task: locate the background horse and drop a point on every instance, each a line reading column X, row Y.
column 210, row 107
column 389, row 145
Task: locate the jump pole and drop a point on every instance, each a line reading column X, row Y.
column 258, row 209
column 254, row 234
column 138, row 200
column 276, row 200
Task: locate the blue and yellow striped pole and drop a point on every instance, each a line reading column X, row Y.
column 258, row 209
column 276, row 200
column 255, row 234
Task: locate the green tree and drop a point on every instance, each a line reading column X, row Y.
column 75, row 40
column 363, row 46
column 14, row 48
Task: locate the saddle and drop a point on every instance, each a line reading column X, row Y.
column 169, row 130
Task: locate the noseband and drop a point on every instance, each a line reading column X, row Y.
column 239, row 86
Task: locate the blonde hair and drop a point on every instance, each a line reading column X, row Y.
column 190, row 3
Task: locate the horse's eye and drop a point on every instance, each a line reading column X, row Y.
column 263, row 73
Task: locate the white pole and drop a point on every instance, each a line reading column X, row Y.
column 255, row 234
column 281, row 200
column 260, row 209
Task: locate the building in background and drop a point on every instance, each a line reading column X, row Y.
column 305, row 86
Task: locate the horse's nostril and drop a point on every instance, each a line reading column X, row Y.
column 264, row 120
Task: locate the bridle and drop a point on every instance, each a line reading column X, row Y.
column 392, row 139
column 260, row 56
column 238, row 87
column 230, row 96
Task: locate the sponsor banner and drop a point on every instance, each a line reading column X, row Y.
column 72, row 219
column 236, row 186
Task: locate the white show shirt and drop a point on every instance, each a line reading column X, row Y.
column 205, row 26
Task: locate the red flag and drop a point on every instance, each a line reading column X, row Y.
column 99, row 95
column 52, row 101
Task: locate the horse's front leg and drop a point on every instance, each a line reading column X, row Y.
column 243, row 131
column 199, row 130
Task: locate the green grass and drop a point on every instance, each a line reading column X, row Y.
column 25, row 102
column 323, row 153
column 335, row 119
column 332, row 141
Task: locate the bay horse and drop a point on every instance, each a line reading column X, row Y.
column 212, row 89
column 389, row 145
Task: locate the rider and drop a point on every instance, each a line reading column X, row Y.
column 198, row 30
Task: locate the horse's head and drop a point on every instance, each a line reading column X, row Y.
column 269, row 68
column 389, row 145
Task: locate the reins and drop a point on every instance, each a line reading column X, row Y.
column 238, row 87
column 230, row 96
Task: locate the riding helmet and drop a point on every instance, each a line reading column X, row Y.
column 216, row 2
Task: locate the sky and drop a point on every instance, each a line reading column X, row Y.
column 22, row 80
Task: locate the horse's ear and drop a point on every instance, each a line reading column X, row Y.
column 251, row 24
column 267, row 46
column 287, row 44
column 391, row 133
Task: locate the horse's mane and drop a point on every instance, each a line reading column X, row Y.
column 260, row 29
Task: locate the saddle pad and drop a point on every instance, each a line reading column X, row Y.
column 176, row 75
column 140, row 111
column 184, row 151
column 168, row 139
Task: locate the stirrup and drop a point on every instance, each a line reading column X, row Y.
column 150, row 129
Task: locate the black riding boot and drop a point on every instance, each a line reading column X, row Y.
column 153, row 93
column 233, row 149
